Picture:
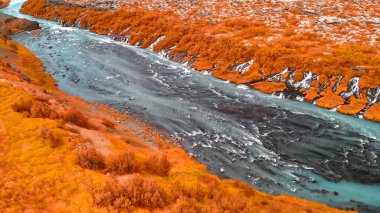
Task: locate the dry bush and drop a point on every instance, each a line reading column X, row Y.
column 158, row 164
column 143, row 192
column 105, row 195
column 122, row 203
column 41, row 110
column 22, row 106
column 108, row 123
column 122, row 164
column 34, row 108
column 76, row 117
column 185, row 205
column 136, row 192
column 89, row 158
column 54, row 137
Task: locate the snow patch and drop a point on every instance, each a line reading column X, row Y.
column 156, row 42
column 305, row 83
column 353, row 88
column 278, row 77
column 242, row 68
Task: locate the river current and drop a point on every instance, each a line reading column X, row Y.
column 278, row 146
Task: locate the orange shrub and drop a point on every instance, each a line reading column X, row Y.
column 184, row 204
column 89, row 158
column 34, row 108
column 143, row 192
column 53, row 137
column 137, row 191
column 158, row 164
column 107, row 194
column 22, row 106
column 76, row 117
column 40, row 110
column 122, row 164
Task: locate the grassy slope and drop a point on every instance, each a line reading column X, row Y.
column 38, row 174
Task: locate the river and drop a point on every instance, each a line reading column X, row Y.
column 278, row 146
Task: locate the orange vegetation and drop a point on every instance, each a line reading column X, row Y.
column 92, row 159
column 373, row 113
column 311, row 94
column 10, row 25
column 269, row 87
column 221, row 46
column 4, row 3
column 354, row 107
column 330, row 100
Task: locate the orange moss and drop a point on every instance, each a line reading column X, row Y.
column 330, row 100
column 203, row 64
column 285, row 76
column 298, row 76
column 373, row 113
column 269, row 87
column 311, row 94
column 354, row 107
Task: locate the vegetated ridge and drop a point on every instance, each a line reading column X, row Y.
column 4, row 3
column 323, row 52
column 63, row 154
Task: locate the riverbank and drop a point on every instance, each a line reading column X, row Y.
column 10, row 25
column 62, row 153
column 4, row 3
column 342, row 76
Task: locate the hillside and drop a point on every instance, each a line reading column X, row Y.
column 4, row 3
column 322, row 52
column 62, row 154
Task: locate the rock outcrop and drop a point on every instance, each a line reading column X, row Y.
column 10, row 25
